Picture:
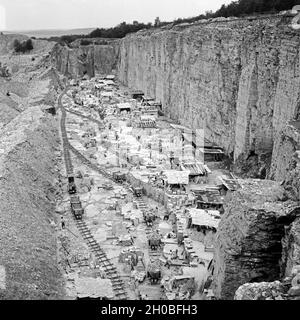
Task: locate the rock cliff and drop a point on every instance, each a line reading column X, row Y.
column 287, row 289
column 81, row 60
column 249, row 245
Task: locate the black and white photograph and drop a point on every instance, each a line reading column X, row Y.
column 149, row 151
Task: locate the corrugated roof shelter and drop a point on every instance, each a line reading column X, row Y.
column 110, row 77
column 125, row 106
column 177, row 177
column 195, row 168
column 94, row 288
column 230, row 184
column 106, row 94
column 109, row 83
column 203, row 218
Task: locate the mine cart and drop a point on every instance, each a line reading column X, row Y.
column 138, row 191
column 149, row 217
column 107, row 186
column 77, row 210
column 138, row 95
column 72, row 186
column 74, row 199
column 119, row 177
column 154, row 271
column 154, row 241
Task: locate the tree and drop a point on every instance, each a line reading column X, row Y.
column 28, row 45
column 157, row 22
column 85, row 42
column 23, row 46
column 17, row 45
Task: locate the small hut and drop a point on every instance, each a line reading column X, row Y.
column 203, row 218
column 176, row 180
column 125, row 106
column 137, row 94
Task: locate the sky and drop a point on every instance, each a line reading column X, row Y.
column 71, row 14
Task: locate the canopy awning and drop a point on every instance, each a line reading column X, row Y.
column 124, row 106
column 203, row 218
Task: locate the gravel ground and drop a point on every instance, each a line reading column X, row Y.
column 28, row 186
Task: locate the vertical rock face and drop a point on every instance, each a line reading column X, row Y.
column 83, row 60
column 284, row 152
column 248, row 244
column 74, row 62
column 291, row 247
column 239, row 79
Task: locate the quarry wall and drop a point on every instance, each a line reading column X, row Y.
column 81, row 60
column 256, row 237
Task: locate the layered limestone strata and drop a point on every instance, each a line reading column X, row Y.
column 291, row 247
column 285, row 156
column 249, row 244
column 29, row 183
column 90, row 59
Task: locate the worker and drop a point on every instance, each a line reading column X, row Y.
column 63, row 225
column 168, row 262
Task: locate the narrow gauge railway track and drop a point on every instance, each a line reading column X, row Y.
column 109, row 269
column 153, row 254
column 80, row 114
column 140, row 202
column 84, row 116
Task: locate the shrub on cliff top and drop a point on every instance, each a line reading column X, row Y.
column 23, row 46
column 241, row 7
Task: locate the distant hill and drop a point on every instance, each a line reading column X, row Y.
column 52, row 32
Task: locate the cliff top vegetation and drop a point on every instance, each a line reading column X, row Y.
column 238, row 8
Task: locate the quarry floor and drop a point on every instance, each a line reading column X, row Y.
column 106, row 204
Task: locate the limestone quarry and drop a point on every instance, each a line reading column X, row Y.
column 107, row 192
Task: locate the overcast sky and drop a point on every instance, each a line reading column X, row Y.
column 69, row 14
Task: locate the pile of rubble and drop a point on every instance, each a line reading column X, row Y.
column 287, row 289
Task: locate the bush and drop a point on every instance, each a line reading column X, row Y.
column 23, row 46
column 247, row 7
column 85, row 42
